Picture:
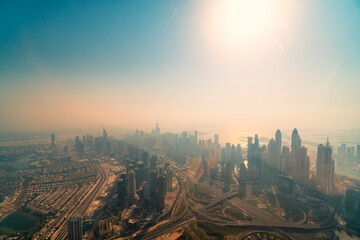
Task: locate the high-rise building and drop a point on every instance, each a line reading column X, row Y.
column 79, row 147
column 285, row 164
column 53, row 146
column 74, row 228
column 278, row 140
column 352, row 151
column 153, row 161
column 121, row 190
column 160, row 192
column 216, row 140
column 300, row 162
column 104, row 134
column 256, row 141
column 358, row 152
column 238, row 153
column 131, row 186
column 295, row 141
column 325, row 166
column 254, row 157
column 157, row 129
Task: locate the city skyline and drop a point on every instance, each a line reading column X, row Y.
column 165, row 119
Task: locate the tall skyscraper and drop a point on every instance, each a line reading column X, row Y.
column 157, row 130
column 295, row 141
column 53, row 146
column 104, row 134
column 216, row 140
column 74, row 228
column 131, row 186
column 358, row 153
column 278, row 140
column 79, row 147
column 256, row 141
column 300, row 162
column 325, row 167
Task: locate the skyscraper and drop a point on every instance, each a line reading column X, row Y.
column 299, row 160
column 74, row 228
column 53, row 141
column 295, row 141
column 216, row 140
column 325, row 168
column 278, row 140
column 131, row 186
column 358, row 153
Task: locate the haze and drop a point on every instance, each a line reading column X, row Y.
column 185, row 64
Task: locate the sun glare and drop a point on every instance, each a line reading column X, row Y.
column 240, row 25
column 241, row 20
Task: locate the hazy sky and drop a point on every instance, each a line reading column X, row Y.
column 216, row 66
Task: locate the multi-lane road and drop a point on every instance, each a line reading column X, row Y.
column 262, row 219
column 62, row 232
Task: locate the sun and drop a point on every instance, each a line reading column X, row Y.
column 240, row 20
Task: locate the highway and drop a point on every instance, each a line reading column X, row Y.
column 61, row 233
column 263, row 220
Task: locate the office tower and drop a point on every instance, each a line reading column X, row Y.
column 79, row 147
column 342, row 149
column 272, row 146
column 295, row 141
column 104, row 134
column 196, row 137
column 227, row 150
column 131, row 186
column 249, row 147
column 90, row 141
column 285, row 160
column 278, row 140
column 184, row 136
column 348, row 152
column 141, row 166
column 358, row 153
column 208, row 143
column 216, row 140
column 238, row 153
column 152, row 175
column 352, row 201
column 145, row 158
column 256, row 141
column 53, row 146
column 121, row 190
column 74, row 228
column 352, row 151
column 223, row 155
column 352, row 207
column 157, row 129
column 300, row 162
column 254, row 157
column 160, row 192
column 98, row 142
column 305, row 165
column 325, row 168
column 84, row 142
column 153, row 161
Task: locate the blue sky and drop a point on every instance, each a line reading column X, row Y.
column 154, row 62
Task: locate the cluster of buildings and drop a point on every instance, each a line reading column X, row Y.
column 146, row 181
column 349, row 152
